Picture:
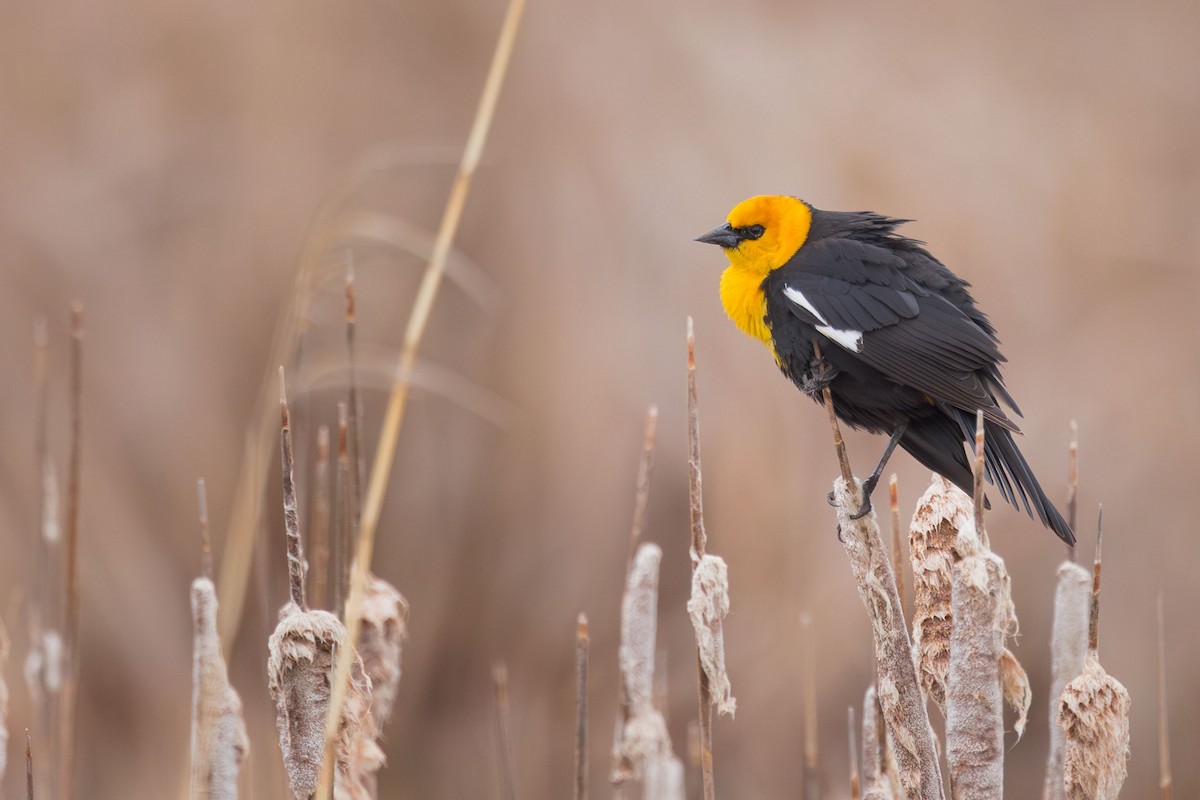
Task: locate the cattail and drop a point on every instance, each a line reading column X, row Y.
column 812, row 777
column 380, row 642
column 219, row 740
column 942, row 512
column 708, row 605
column 1068, row 649
column 642, row 736
column 1094, row 714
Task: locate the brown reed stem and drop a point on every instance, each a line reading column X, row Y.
column 341, row 514
column 1165, row 783
column 291, row 520
column 855, row 790
column 699, row 541
column 898, row 557
column 319, row 522
column 70, row 690
column 1094, row 612
column 206, row 556
column 503, row 731
column 1073, row 484
column 358, row 459
column 414, row 332
column 28, row 766
column 808, row 693
column 641, row 497
column 582, row 646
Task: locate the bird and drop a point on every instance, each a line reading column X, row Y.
column 844, row 301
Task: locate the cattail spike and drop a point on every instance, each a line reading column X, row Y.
column 291, row 519
column 1073, row 484
column 1094, row 615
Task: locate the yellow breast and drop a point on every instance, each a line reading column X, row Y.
column 745, row 303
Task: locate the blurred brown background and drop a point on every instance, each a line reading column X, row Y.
column 162, row 163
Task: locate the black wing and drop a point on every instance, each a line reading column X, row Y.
column 858, row 296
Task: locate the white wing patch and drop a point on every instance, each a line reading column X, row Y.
column 848, row 339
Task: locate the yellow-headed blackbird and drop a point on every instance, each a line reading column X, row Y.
column 903, row 348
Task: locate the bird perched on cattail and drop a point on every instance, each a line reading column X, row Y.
column 902, row 346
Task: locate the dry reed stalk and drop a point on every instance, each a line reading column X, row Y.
column 414, row 331
column 877, row 783
column 70, row 688
column 641, row 494
column 508, row 789
column 28, row 766
column 851, row 726
column 319, row 521
column 291, row 517
column 582, row 646
column 896, row 680
column 1094, row 714
column 1068, row 649
column 709, row 602
column 897, row 542
column 342, row 514
column 219, row 740
column 808, row 691
column 4, row 647
column 1165, row 783
column 642, row 734
column 1073, row 485
column 358, row 459
column 43, row 666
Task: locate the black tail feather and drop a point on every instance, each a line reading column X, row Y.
column 938, row 443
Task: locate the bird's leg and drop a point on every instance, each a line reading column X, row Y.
column 869, row 484
column 820, row 374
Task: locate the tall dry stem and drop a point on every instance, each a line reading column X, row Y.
column 413, row 334
column 812, row 778
column 582, row 646
column 70, row 686
column 1165, row 783
column 1068, row 649
column 508, row 789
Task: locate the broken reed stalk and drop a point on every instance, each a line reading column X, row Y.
column 291, row 519
column 28, row 766
column 1165, row 783
column 1073, row 485
column 1094, row 714
column 896, row 679
column 974, row 703
column 219, row 740
column 699, row 541
column 851, row 725
column 503, row 731
column 70, row 689
column 897, row 541
column 582, row 645
column 808, row 692
column 319, row 522
column 398, row 400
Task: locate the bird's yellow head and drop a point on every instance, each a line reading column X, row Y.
column 762, row 233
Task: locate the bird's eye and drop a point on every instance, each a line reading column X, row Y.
column 754, row 231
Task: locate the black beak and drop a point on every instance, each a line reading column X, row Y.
column 723, row 235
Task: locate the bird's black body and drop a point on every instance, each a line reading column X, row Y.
column 903, row 346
